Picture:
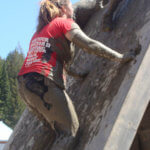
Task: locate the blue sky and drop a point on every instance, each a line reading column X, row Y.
column 17, row 25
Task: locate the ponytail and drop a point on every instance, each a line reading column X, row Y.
column 48, row 11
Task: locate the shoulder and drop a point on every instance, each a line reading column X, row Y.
column 62, row 20
column 62, row 25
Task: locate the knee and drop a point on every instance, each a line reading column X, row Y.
column 69, row 129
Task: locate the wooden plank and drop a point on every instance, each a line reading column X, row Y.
column 132, row 111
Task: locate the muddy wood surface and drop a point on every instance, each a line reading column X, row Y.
column 99, row 97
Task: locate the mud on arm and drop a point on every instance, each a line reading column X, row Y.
column 70, row 71
column 79, row 38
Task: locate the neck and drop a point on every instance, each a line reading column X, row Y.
column 64, row 16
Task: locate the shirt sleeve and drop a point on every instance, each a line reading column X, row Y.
column 67, row 25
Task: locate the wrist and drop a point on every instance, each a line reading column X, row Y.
column 118, row 57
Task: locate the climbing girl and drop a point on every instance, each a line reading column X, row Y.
column 40, row 79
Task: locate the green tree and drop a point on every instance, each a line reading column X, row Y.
column 11, row 105
column 1, row 102
column 5, row 94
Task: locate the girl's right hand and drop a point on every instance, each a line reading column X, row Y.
column 128, row 56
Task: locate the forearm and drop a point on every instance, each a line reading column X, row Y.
column 92, row 46
column 74, row 74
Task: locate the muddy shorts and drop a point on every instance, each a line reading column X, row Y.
column 49, row 101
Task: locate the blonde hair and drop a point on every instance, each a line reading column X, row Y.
column 48, row 11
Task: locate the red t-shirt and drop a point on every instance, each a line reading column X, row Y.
column 38, row 44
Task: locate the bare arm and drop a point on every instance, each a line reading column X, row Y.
column 74, row 74
column 92, row 46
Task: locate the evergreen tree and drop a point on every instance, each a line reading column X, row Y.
column 1, row 86
column 11, row 105
column 5, row 94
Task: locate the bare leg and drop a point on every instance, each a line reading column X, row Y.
column 61, row 111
